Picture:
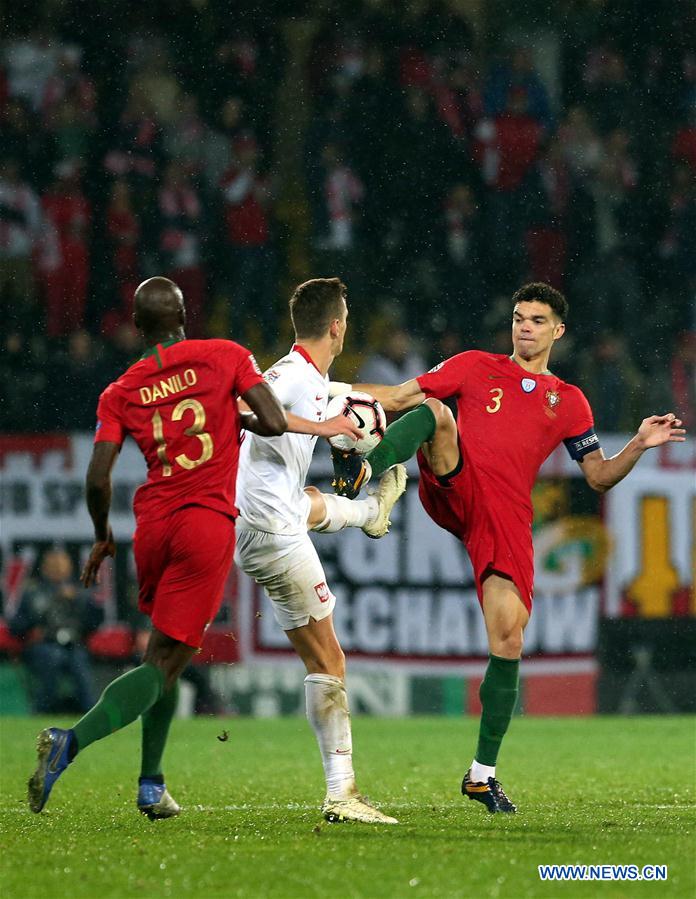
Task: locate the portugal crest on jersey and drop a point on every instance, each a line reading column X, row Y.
column 528, row 384
column 553, row 398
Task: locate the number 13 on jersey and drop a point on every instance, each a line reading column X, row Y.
column 496, row 399
column 195, row 430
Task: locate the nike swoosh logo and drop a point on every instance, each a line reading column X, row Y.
column 495, row 376
column 361, row 422
column 343, row 752
column 318, row 397
column 60, row 746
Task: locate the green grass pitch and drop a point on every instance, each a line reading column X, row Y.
column 594, row 791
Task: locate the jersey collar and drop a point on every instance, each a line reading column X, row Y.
column 530, row 373
column 155, row 350
column 296, row 348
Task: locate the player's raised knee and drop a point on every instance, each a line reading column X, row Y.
column 444, row 420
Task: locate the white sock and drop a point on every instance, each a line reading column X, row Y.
column 481, row 773
column 327, row 711
column 346, row 513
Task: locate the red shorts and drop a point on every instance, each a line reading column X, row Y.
column 497, row 537
column 183, row 561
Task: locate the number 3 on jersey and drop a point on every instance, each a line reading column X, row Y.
column 195, row 430
column 496, row 399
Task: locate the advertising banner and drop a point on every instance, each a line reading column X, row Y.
column 406, row 601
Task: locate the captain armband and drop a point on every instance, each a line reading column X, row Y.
column 578, row 447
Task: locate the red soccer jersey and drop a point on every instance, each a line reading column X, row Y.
column 179, row 405
column 509, row 421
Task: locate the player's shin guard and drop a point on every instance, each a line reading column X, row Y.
column 345, row 513
column 156, row 721
column 499, row 690
column 327, row 711
column 402, row 439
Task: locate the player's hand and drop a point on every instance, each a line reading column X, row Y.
column 339, row 424
column 100, row 550
column 659, row 429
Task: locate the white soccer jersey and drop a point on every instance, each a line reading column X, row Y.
column 272, row 470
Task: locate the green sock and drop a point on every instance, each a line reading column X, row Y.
column 122, row 701
column 498, row 692
column 402, row 439
column 156, row 721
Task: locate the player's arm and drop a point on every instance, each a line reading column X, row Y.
column 394, row 399
column 339, row 424
column 330, row 427
column 602, row 473
column 266, row 416
column 98, row 494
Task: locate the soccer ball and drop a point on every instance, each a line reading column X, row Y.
column 367, row 414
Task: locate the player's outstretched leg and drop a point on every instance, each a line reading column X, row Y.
column 430, row 427
column 123, row 700
column 401, row 441
column 392, row 485
column 330, row 513
column 506, row 618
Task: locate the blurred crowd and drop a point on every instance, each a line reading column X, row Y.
column 53, row 620
column 55, row 628
column 441, row 168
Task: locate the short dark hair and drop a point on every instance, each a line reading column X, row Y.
column 542, row 293
column 315, row 304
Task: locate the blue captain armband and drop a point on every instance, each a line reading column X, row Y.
column 578, row 447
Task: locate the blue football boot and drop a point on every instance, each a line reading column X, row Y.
column 154, row 800
column 53, row 752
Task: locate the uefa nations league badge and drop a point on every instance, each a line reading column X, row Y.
column 528, row 384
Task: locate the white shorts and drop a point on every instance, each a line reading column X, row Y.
column 289, row 569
